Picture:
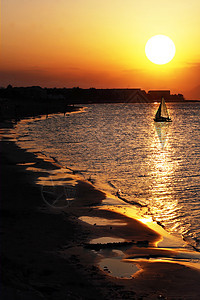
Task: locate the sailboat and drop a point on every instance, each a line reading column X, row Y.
column 162, row 113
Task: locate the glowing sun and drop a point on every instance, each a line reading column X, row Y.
column 160, row 49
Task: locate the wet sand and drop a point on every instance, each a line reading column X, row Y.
column 50, row 247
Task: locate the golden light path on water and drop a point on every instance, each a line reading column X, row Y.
column 164, row 201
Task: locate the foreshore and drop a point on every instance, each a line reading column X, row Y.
column 52, row 248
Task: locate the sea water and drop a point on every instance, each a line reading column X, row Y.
column 120, row 147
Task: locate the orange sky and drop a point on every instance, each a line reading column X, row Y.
column 90, row 43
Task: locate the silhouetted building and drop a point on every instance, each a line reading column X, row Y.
column 117, row 95
column 158, row 94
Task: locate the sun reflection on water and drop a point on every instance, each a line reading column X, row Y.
column 162, row 131
column 163, row 199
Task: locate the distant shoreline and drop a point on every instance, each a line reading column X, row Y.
column 21, row 102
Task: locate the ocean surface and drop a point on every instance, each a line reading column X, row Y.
column 120, row 147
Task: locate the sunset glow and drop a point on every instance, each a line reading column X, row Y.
column 99, row 44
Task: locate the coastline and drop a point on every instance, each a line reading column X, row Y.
column 45, row 251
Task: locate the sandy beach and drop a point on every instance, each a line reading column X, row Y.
column 57, row 249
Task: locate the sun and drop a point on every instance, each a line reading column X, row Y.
column 160, row 49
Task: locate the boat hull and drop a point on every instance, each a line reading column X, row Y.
column 162, row 119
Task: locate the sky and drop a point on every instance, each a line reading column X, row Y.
column 101, row 44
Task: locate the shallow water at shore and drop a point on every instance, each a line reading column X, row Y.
column 120, row 147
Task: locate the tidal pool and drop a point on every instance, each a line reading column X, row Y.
column 117, row 267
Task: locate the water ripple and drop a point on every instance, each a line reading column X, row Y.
column 120, row 147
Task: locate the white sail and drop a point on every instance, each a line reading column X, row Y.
column 163, row 111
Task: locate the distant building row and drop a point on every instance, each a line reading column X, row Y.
column 92, row 95
column 158, row 94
